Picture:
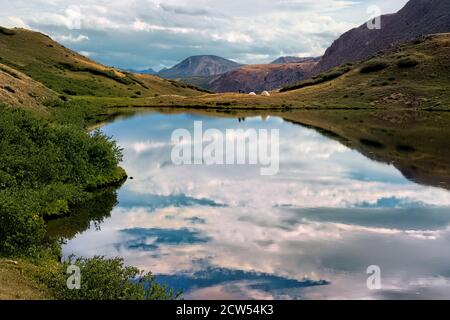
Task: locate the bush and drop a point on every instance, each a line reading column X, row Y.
column 374, row 66
column 107, row 279
column 407, row 62
column 44, row 169
column 36, row 153
column 22, row 230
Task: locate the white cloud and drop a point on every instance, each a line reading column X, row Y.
column 86, row 53
column 155, row 33
column 71, row 38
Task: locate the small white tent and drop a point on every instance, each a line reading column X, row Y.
column 252, row 94
column 265, row 93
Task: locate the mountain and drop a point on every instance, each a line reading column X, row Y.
column 418, row 18
column 289, row 59
column 261, row 77
column 47, row 68
column 147, row 71
column 199, row 66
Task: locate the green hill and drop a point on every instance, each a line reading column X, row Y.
column 69, row 73
column 412, row 75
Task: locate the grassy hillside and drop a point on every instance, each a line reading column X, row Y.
column 71, row 74
column 415, row 75
column 412, row 75
column 17, row 89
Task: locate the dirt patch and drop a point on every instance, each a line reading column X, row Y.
column 14, row 285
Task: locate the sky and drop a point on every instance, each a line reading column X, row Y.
column 142, row 34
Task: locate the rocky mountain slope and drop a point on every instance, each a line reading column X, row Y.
column 416, row 19
column 261, row 77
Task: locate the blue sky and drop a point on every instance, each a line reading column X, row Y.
column 159, row 33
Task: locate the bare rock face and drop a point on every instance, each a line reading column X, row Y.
column 262, row 77
column 199, row 66
column 418, row 18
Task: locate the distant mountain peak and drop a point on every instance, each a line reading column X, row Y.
column 146, row 71
column 292, row 59
column 200, row 66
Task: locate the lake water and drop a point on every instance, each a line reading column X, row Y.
column 309, row 232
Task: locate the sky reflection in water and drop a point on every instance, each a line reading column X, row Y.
column 309, row 232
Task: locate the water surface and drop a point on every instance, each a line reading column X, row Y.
column 310, row 232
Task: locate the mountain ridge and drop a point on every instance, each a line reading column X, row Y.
column 261, row 77
column 416, row 19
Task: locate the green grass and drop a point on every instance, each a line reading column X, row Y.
column 109, row 74
column 321, row 78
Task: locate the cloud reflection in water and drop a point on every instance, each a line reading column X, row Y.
column 327, row 216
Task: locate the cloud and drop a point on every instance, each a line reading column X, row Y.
column 71, row 38
column 150, row 33
column 184, row 10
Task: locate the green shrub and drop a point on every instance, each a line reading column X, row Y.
column 45, row 168
column 36, row 152
column 407, row 62
column 70, row 92
column 22, row 230
column 107, row 279
column 374, row 66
